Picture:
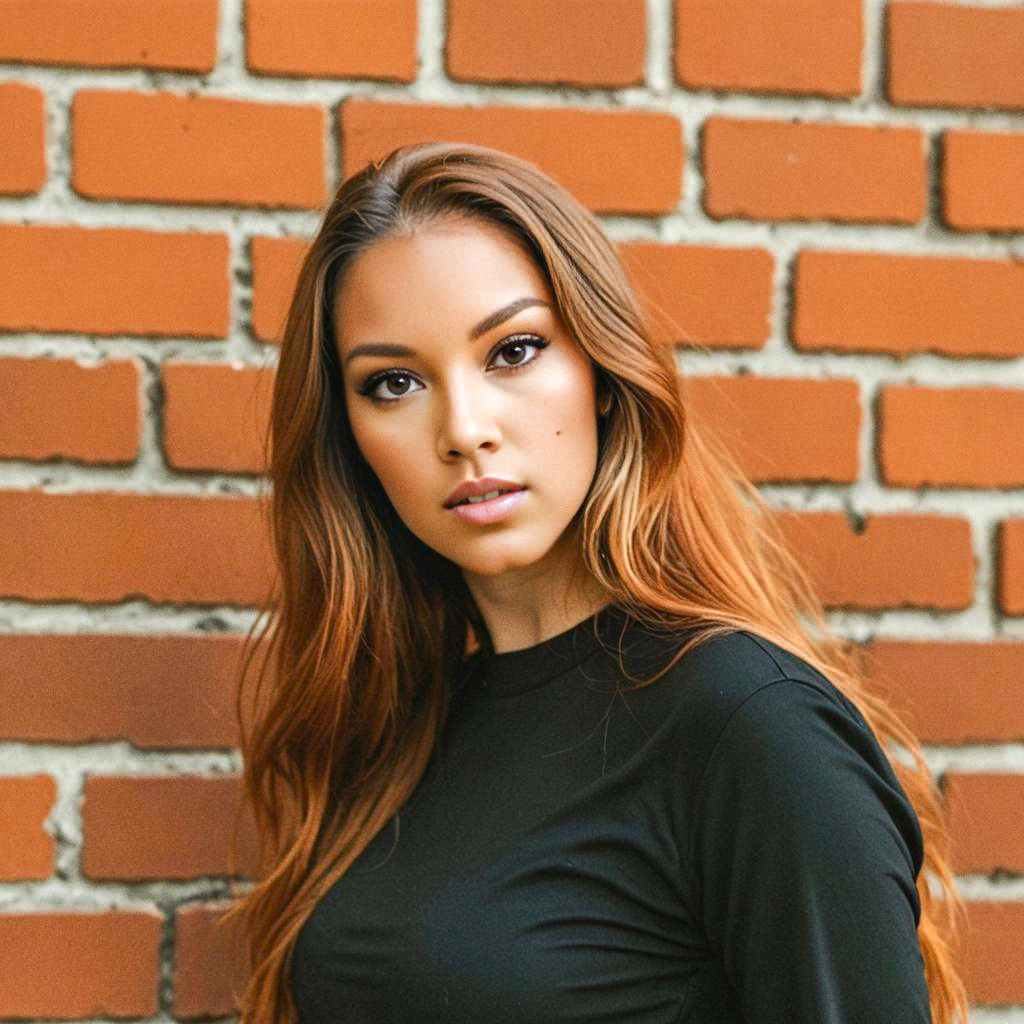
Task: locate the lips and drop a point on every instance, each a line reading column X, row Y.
column 478, row 488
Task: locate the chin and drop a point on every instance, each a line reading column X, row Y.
column 499, row 560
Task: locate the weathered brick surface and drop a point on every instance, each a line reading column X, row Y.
column 216, row 417
column 275, row 266
column 1011, row 566
column 179, row 35
column 174, row 827
column 80, row 964
column 592, row 152
column 332, row 38
column 22, row 139
column 27, row 850
column 986, row 821
column 111, row 547
column 953, row 691
column 785, row 46
column 776, row 170
column 993, row 968
column 56, row 408
column 901, row 303
column 716, row 296
column 955, row 55
column 209, row 963
column 155, row 691
column 558, row 41
column 113, row 281
column 189, row 149
column 783, row 428
column 981, row 180
column 895, row 561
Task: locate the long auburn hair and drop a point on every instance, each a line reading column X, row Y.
column 366, row 623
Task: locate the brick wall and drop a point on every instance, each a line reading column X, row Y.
column 824, row 197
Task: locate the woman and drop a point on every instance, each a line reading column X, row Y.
column 556, row 729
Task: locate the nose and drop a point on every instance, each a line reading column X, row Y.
column 468, row 420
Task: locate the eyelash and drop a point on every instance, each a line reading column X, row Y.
column 532, row 340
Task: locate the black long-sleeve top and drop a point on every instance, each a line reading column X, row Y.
column 727, row 844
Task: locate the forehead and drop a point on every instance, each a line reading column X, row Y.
column 454, row 272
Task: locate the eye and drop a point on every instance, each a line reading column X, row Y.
column 516, row 350
column 396, row 385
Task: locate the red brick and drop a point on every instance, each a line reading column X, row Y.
column 793, row 46
column 115, row 547
column 900, row 303
column 27, row 850
column 1011, row 566
column 783, row 428
column 896, row 561
column 981, row 181
column 955, row 55
column 332, row 38
column 198, row 149
column 778, row 170
column 953, row 692
column 56, row 408
column 113, row 281
column 554, row 41
column 716, row 296
column 78, row 964
column 986, row 821
column 209, row 962
column 994, row 970
column 174, row 691
column 167, row 34
column 22, row 138
column 216, row 417
column 966, row 437
column 275, row 267
column 592, row 153
column 154, row 827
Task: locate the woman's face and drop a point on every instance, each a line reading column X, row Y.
column 457, row 367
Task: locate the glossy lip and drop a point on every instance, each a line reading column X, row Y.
column 474, row 488
column 483, row 512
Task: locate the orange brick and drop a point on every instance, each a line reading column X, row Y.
column 593, row 153
column 177, row 35
column 22, row 139
column 715, row 296
column 27, row 850
column 556, row 41
column 899, row 303
column 115, row 547
column 332, row 38
column 966, row 437
column 783, row 428
column 216, row 417
column 953, row 692
column 986, row 821
column 209, row 962
column 1011, row 566
column 895, row 561
column 795, row 46
column 275, row 267
column 175, row 691
column 74, row 965
column 955, row 55
column 981, row 181
column 994, row 970
column 197, row 149
column 55, row 408
column 152, row 827
column 777, row 170
column 113, row 281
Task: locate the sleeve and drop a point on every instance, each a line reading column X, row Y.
column 807, row 850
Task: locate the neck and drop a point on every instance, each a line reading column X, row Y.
column 523, row 607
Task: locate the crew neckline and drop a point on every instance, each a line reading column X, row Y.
column 514, row 672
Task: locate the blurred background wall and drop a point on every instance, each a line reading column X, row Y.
column 823, row 201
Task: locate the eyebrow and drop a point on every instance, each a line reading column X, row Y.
column 487, row 324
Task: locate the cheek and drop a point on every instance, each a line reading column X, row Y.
column 390, row 459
